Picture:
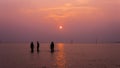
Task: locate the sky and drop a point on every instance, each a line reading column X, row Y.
column 39, row 20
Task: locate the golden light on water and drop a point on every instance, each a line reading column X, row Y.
column 60, row 57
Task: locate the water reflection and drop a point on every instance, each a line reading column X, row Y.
column 60, row 57
column 32, row 51
column 38, row 51
column 52, row 51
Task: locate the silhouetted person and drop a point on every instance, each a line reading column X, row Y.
column 38, row 46
column 32, row 47
column 52, row 46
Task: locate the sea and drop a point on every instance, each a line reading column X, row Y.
column 65, row 55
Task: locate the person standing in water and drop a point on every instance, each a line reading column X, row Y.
column 32, row 47
column 52, row 46
column 38, row 46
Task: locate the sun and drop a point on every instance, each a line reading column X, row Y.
column 60, row 27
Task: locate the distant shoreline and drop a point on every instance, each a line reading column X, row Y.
column 68, row 42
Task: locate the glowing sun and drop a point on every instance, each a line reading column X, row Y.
column 60, row 27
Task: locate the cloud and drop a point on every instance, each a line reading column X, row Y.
column 64, row 12
column 83, row 1
column 68, row 11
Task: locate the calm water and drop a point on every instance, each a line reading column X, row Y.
column 18, row 55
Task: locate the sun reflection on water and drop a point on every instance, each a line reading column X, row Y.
column 60, row 57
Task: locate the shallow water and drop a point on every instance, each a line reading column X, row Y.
column 19, row 55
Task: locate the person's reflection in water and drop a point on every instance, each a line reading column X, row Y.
column 32, row 47
column 32, row 51
column 52, row 51
column 38, row 51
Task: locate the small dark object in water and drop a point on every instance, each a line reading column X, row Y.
column 52, row 46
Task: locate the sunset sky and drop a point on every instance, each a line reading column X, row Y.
column 60, row 20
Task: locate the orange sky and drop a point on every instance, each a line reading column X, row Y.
column 82, row 20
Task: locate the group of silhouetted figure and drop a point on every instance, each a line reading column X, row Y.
column 38, row 45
